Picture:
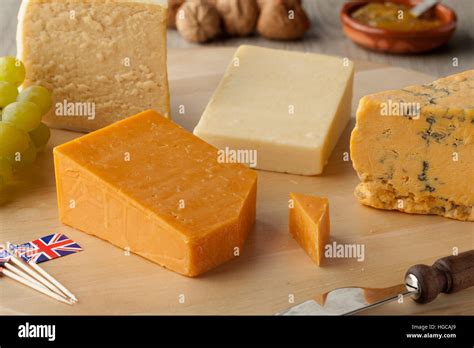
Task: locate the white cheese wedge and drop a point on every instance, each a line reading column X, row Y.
column 288, row 107
column 101, row 60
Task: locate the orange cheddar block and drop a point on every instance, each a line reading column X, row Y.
column 148, row 185
column 309, row 223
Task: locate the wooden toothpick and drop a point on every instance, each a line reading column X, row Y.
column 34, row 286
column 45, row 274
column 35, row 275
column 22, row 274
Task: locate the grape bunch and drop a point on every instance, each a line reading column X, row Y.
column 22, row 134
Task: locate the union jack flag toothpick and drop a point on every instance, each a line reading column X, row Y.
column 37, row 283
column 46, row 248
column 4, row 255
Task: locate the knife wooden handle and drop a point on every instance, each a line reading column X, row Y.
column 447, row 275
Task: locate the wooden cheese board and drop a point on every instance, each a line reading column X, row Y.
column 273, row 269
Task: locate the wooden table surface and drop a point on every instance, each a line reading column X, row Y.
column 272, row 268
column 325, row 36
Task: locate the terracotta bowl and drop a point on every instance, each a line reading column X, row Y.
column 398, row 41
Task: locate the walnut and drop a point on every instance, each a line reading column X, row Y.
column 198, row 21
column 239, row 16
column 173, row 6
column 282, row 20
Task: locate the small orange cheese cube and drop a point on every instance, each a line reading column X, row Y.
column 148, row 185
column 309, row 223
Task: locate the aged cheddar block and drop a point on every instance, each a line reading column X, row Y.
column 148, row 185
column 309, row 223
column 102, row 60
column 413, row 148
column 288, row 107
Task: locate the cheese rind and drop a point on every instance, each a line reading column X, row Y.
column 101, row 60
column 422, row 164
column 290, row 107
column 309, row 224
column 148, row 186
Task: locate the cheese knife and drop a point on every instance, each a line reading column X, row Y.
column 422, row 283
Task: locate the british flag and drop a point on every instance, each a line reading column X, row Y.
column 46, row 248
column 4, row 255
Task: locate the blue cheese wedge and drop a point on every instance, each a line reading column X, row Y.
column 102, row 60
column 413, row 148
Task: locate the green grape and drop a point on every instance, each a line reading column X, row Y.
column 40, row 136
column 12, row 140
column 12, row 70
column 23, row 115
column 8, row 93
column 25, row 158
column 38, row 95
column 6, row 171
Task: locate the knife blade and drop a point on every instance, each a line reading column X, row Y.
column 422, row 283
